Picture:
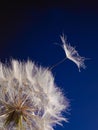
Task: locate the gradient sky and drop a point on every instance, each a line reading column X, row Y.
column 31, row 31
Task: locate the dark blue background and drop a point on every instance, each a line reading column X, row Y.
column 31, row 31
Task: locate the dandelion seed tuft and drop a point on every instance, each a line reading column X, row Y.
column 72, row 54
column 29, row 98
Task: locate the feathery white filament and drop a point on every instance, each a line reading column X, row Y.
column 72, row 54
column 36, row 88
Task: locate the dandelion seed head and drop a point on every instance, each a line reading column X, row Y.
column 73, row 54
column 29, row 97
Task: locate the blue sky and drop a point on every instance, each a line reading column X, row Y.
column 32, row 33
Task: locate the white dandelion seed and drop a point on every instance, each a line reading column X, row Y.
column 29, row 98
column 72, row 54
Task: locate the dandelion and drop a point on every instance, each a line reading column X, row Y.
column 29, row 97
column 72, row 54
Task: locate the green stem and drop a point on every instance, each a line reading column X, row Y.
column 20, row 125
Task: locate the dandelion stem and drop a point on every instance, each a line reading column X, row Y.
column 20, row 125
column 58, row 63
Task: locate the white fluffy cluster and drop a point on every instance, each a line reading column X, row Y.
column 35, row 85
column 73, row 54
